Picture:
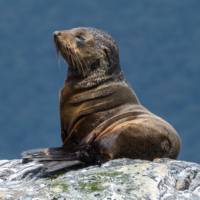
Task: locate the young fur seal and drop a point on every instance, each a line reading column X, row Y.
column 101, row 116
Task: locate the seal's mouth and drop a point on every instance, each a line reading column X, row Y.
column 68, row 53
column 64, row 51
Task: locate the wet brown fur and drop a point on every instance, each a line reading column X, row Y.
column 98, row 108
column 101, row 116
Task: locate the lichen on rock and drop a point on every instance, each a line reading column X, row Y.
column 116, row 179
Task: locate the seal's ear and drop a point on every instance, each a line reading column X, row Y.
column 107, row 55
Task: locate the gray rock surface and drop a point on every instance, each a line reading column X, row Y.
column 118, row 179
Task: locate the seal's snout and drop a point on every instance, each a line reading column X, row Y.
column 61, row 35
column 56, row 33
column 56, row 40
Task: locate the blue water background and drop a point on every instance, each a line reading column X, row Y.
column 159, row 44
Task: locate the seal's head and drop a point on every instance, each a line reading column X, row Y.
column 87, row 51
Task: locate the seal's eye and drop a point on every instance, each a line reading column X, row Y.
column 80, row 40
column 80, row 37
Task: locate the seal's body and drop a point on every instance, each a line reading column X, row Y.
column 111, row 118
column 101, row 115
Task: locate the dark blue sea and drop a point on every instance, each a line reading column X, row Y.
column 159, row 44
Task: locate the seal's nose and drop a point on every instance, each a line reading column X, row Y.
column 56, row 33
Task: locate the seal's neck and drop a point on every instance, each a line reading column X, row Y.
column 94, row 78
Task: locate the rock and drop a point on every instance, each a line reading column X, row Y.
column 117, row 179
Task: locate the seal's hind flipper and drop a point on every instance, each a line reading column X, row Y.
column 53, row 167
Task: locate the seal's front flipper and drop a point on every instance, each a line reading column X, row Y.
column 48, row 154
column 53, row 159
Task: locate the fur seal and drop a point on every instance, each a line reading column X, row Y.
column 101, row 116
